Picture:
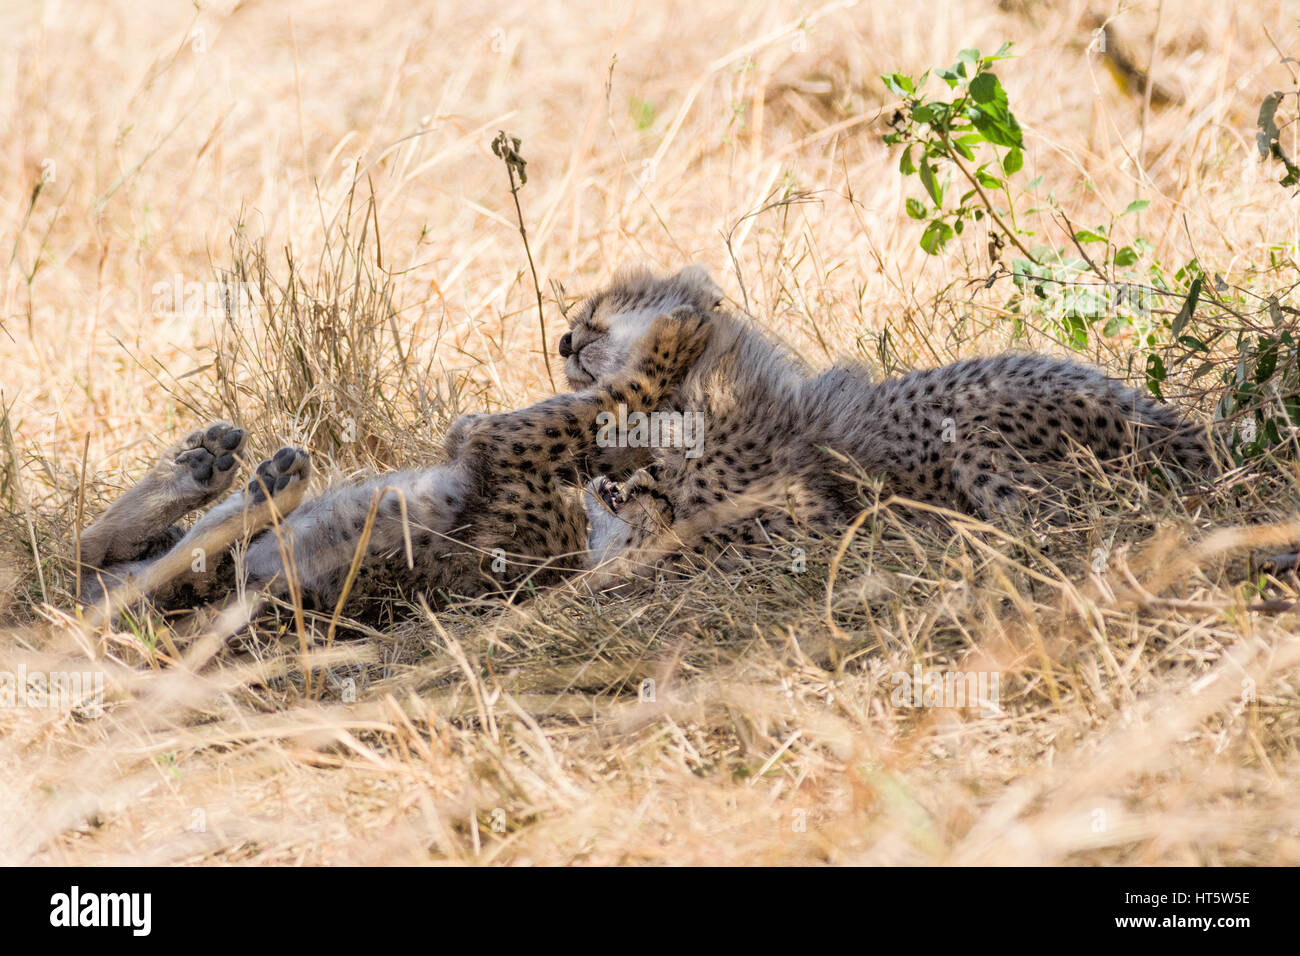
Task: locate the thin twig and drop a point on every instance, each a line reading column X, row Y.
column 507, row 149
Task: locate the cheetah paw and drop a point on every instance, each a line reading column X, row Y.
column 615, row 495
column 460, row 430
column 203, row 465
column 609, row 493
column 280, row 476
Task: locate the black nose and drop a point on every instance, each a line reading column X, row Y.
column 566, row 345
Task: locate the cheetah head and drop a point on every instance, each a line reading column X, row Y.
column 606, row 326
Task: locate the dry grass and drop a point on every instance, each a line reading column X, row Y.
column 1148, row 707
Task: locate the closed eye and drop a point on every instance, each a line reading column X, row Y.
column 585, row 334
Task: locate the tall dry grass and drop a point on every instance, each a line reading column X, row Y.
column 335, row 157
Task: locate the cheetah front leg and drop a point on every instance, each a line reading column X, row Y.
column 622, row 516
column 186, row 477
column 634, row 531
column 564, row 429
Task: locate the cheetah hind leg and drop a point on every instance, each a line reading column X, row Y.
column 187, row 477
column 198, row 567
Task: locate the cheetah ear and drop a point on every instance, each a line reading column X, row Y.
column 629, row 273
column 696, row 277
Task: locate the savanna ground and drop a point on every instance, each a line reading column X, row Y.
column 337, row 157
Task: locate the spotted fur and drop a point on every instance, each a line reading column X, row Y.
column 787, row 451
column 504, row 512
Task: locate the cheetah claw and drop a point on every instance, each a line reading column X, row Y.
column 610, row 493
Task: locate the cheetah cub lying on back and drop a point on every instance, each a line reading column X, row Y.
column 784, row 451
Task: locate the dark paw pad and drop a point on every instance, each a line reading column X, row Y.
column 212, row 451
column 288, row 466
column 199, row 462
column 210, row 455
column 225, row 436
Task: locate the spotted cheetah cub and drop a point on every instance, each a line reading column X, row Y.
column 784, row 451
column 505, row 512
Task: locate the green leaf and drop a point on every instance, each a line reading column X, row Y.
column 643, row 113
column 905, row 164
column 930, row 183
column 996, row 123
column 1076, row 328
column 987, row 181
column 915, row 209
column 1267, row 362
column 986, row 88
column 900, row 84
column 1189, row 308
column 936, row 234
column 941, row 115
column 1137, row 205
column 1126, row 256
column 1013, row 161
column 1155, row 374
column 1087, row 235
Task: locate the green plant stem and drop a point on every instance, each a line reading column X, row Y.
column 993, row 213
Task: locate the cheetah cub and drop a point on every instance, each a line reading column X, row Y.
column 784, row 451
column 504, row 513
